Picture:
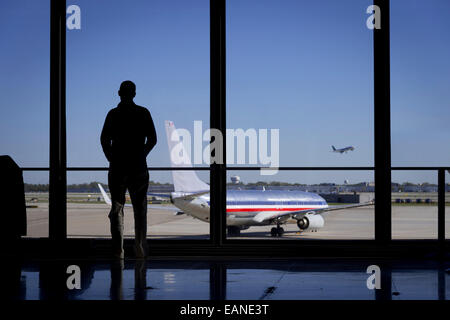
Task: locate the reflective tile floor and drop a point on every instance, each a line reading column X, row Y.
column 316, row 279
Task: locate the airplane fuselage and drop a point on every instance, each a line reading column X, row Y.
column 244, row 205
column 346, row 149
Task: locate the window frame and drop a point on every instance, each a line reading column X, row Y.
column 218, row 244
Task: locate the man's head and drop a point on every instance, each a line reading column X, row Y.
column 127, row 90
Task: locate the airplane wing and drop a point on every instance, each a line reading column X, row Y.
column 272, row 215
column 340, row 207
column 284, row 215
column 348, row 206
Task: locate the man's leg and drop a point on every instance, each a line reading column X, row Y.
column 137, row 186
column 117, row 190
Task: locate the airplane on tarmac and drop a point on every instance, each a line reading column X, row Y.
column 342, row 150
column 244, row 208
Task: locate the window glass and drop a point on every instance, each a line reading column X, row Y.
column 24, row 107
column 163, row 47
column 300, row 93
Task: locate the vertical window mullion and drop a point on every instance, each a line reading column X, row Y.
column 218, row 119
column 58, row 158
column 382, row 125
column 441, row 209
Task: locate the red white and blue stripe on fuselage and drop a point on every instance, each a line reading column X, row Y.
column 254, row 201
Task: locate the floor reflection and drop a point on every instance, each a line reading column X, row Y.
column 221, row 280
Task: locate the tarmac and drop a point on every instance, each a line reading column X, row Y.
column 86, row 220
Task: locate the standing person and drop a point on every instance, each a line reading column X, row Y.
column 127, row 138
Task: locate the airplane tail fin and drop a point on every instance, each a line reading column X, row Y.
column 185, row 181
column 104, row 195
column 334, row 149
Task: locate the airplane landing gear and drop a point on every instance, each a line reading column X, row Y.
column 277, row 232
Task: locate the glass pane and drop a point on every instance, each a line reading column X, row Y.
column 414, row 204
column 24, row 109
column 36, row 198
column 299, row 93
column 87, row 209
column 163, row 47
column 87, row 212
column 420, row 78
column 300, row 201
column 304, row 68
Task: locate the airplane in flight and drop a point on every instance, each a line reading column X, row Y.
column 342, row 150
column 244, row 208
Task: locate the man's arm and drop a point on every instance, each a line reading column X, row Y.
column 150, row 133
column 105, row 138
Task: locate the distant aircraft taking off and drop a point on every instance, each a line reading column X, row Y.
column 342, row 150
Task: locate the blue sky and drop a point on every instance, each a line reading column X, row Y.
column 304, row 67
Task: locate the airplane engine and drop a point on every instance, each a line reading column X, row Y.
column 315, row 221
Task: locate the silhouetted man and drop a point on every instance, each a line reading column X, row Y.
column 127, row 138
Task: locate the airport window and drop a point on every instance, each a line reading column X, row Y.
column 420, row 74
column 290, row 65
column 352, row 215
column 293, row 66
column 24, row 112
column 163, row 47
column 302, row 75
column 414, row 205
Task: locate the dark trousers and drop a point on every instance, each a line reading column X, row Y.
column 137, row 184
